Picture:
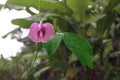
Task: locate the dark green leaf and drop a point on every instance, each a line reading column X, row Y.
column 80, row 47
column 108, row 48
column 112, row 4
column 103, row 25
column 52, row 45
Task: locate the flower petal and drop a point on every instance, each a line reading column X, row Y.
column 34, row 32
column 49, row 32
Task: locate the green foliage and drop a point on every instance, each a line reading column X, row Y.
column 1, row 6
column 78, row 24
column 52, row 45
column 80, row 47
column 44, row 4
column 37, row 74
column 94, row 18
column 22, row 22
column 9, row 68
column 31, row 57
column 112, row 4
column 79, row 8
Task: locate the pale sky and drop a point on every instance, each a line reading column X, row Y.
column 9, row 47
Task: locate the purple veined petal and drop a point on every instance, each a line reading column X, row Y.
column 49, row 32
column 34, row 32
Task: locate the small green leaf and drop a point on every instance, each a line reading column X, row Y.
column 31, row 56
column 95, row 18
column 37, row 74
column 52, row 45
column 80, row 47
column 22, row 22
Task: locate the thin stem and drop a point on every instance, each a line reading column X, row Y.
column 40, row 9
column 33, row 62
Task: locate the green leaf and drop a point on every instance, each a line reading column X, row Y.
column 80, row 47
column 103, row 24
column 112, row 4
column 52, row 45
column 38, row 73
column 45, row 5
column 108, row 48
column 79, row 8
column 22, row 22
column 117, row 8
column 31, row 56
column 1, row 6
column 95, row 18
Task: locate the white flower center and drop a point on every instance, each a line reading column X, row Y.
column 41, row 33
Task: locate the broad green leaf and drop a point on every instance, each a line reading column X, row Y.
column 52, row 45
column 80, row 47
column 22, row 22
column 43, row 4
column 79, row 8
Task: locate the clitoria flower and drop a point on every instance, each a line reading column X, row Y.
column 41, row 32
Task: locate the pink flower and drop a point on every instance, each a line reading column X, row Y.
column 40, row 32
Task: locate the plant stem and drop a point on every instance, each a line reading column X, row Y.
column 40, row 7
column 33, row 62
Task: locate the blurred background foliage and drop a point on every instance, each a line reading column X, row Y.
column 98, row 21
